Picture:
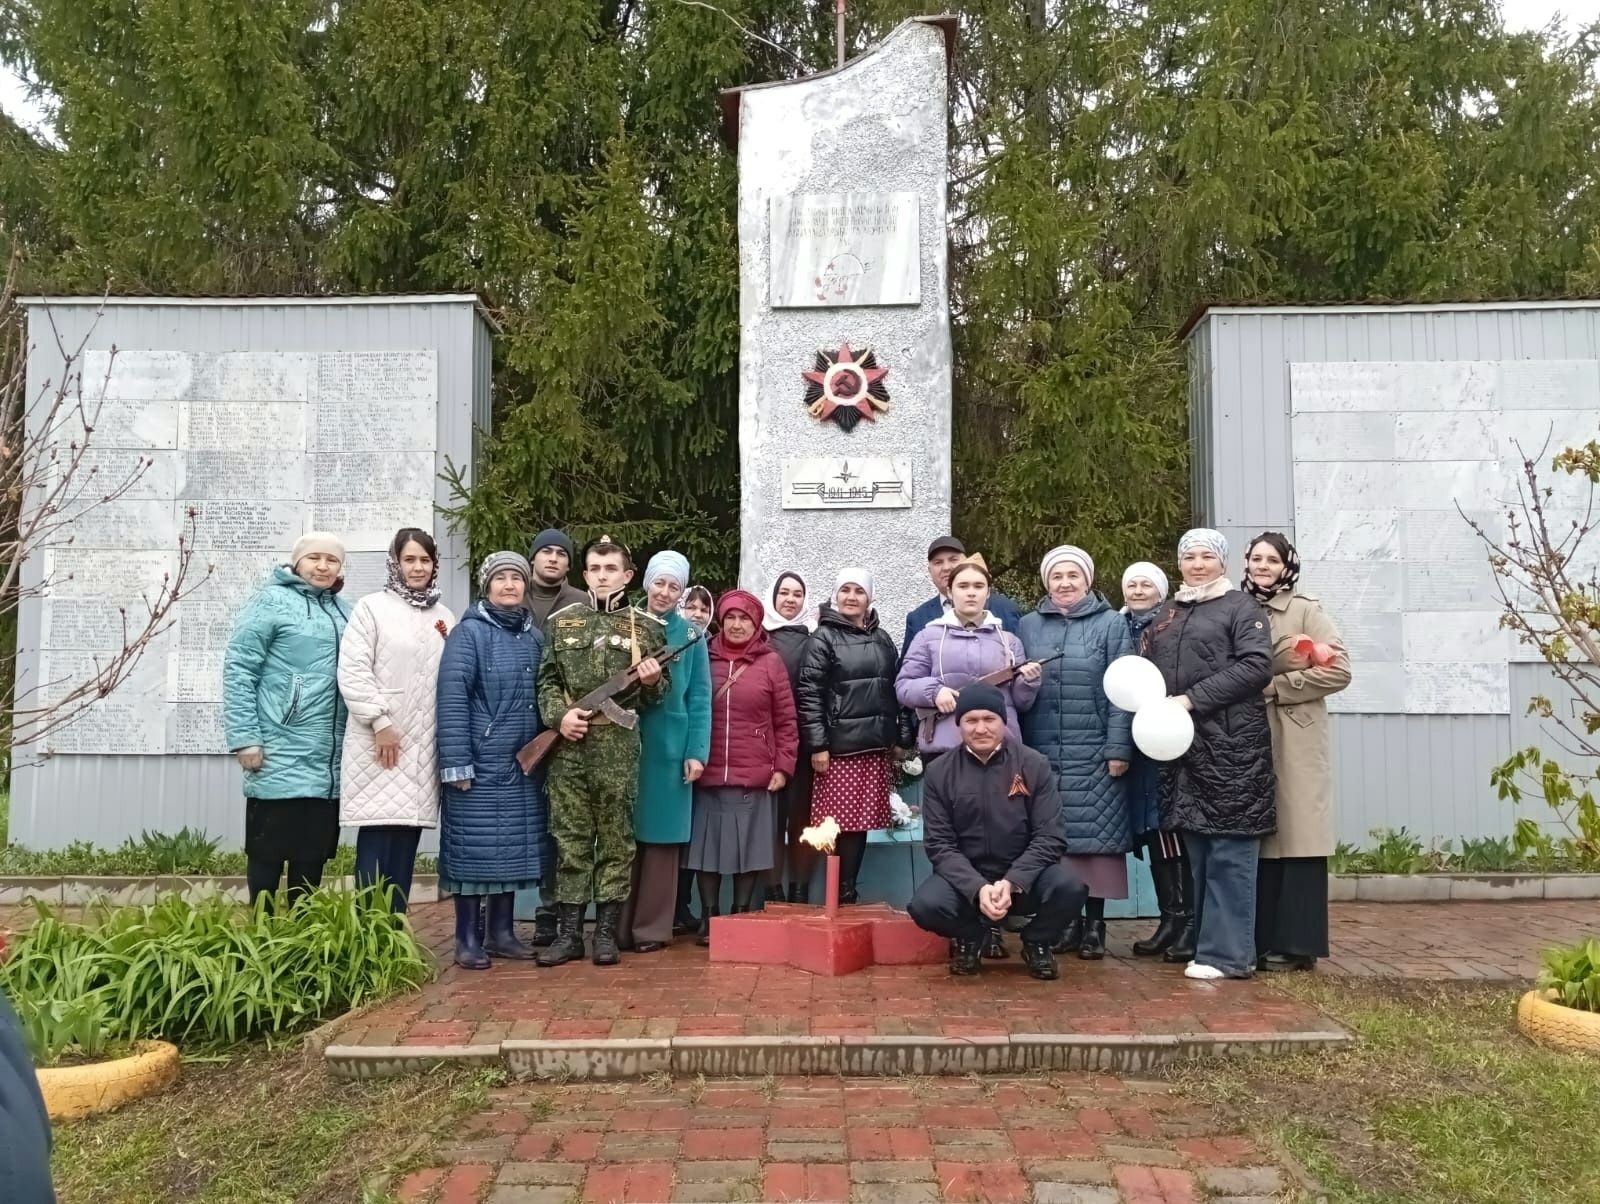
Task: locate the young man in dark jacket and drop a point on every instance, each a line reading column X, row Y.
column 944, row 554
column 991, row 825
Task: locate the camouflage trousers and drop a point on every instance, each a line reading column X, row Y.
column 591, row 785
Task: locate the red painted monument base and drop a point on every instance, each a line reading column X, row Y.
column 825, row 940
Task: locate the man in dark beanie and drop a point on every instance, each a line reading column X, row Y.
column 550, row 554
column 991, row 826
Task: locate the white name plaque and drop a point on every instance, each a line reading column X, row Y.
column 845, row 248
column 847, row 483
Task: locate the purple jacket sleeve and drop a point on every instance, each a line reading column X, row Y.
column 915, row 685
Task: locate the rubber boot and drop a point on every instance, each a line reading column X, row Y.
column 568, row 944
column 1093, row 946
column 502, row 939
column 1165, row 876
column 469, row 940
column 606, row 918
column 1072, row 938
column 1181, row 951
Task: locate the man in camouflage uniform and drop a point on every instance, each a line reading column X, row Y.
column 594, row 769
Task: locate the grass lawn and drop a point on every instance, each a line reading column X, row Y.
column 262, row 1127
column 1442, row 1101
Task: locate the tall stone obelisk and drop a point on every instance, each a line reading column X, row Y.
column 844, row 353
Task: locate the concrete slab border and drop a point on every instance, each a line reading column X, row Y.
column 1458, row 888
column 865, row 1056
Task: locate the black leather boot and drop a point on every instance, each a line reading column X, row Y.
column 1040, row 961
column 703, row 934
column 1093, row 946
column 469, row 940
column 799, row 892
column 1181, row 951
column 606, row 918
column 994, row 946
column 968, row 957
column 1165, row 875
column 774, row 894
column 502, row 934
column 568, row 944
column 544, row 927
column 1072, row 938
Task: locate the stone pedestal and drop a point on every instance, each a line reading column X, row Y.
column 842, row 251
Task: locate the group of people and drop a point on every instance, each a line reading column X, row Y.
column 723, row 727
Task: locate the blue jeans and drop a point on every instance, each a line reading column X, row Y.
column 1224, row 870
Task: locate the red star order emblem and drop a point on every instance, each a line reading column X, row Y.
column 846, row 387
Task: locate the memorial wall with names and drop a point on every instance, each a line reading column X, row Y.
column 251, row 450
column 1391, row 460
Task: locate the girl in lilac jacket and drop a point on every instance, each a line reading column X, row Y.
column 960, row 646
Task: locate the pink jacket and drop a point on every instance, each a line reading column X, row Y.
column 754, row 731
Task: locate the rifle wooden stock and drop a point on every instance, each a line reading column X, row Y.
column 537, row 749
column 928, row 717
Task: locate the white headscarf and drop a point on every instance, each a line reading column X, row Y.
column 1067, row 552
column 1205, row 537
column 806, row 619
column 854, row 575
column 1150, row 572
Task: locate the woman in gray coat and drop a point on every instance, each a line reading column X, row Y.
column 1088, row 742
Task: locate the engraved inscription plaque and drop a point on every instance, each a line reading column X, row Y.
column 845, row 248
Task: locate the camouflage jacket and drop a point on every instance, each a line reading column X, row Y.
column 584, row 647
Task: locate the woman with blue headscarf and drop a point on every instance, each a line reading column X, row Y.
column 1214, row 651
column 675, row 741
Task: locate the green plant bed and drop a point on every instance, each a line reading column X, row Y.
column 1397, row 851
column 183, row 853
column 204, row 973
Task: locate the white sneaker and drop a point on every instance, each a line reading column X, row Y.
column 1196, row 970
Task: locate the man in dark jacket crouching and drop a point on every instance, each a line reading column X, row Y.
column 991, row 825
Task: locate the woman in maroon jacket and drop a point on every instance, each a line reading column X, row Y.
column 755, row 738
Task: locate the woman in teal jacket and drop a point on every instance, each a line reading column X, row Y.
column 675, row 736
column 284, row 719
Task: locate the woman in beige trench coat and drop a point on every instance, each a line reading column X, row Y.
column 1292, row 880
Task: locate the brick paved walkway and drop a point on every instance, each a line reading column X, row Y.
column 1071, row 1139
column 678, row 993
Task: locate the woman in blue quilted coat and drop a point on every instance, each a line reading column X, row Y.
column 1088, row 742
column 493, row 820
column 283, row 717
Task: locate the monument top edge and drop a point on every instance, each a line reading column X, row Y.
column 729, row 99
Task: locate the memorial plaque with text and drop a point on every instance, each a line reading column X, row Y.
column 845, row 248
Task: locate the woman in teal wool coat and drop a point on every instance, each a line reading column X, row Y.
column 283, row 716
column 675, row 738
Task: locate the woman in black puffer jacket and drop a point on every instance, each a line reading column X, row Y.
column 851, row 720
column 1212, row 646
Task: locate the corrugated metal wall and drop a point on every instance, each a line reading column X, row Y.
column 1427, row 772
column 105, row 798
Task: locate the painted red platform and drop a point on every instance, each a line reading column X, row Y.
column 809, row 938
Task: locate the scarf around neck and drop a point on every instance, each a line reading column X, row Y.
column 418, row 599
column 1214, row 588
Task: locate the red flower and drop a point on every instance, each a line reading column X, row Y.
column 441, row 629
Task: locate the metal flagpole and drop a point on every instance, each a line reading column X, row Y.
column 838, row 31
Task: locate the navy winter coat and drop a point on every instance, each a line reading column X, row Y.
column 488, row 709
column 1000, row 606
column 1144, row 775
column 1072, row 722
column 1219, row 653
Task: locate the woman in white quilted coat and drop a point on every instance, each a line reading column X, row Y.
column 388, row 670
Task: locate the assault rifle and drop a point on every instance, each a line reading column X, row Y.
column 603, row 699
column 928, row 717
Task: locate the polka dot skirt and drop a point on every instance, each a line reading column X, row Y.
column 855, row 791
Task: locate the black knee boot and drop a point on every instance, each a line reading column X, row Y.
column 710, row 903
column 1165, row 874
column 469, row 937
column 1181, row 951
column 501, row 940
column 568, row 944
column 852, row 851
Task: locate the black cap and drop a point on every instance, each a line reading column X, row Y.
column 946, row 543
column 605, row 541
column 980, row 696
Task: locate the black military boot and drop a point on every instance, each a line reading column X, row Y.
column 502, row 935
column 568, row 945
column 1181, row 951
column 1072, row 938
column 967, row 958
column 1165, row 874
column 544, row 927
column 1040, row 961
column 469, row 938
column 606, row 918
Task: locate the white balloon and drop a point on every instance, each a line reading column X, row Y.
column 1131, row 682
column 1163, row 730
